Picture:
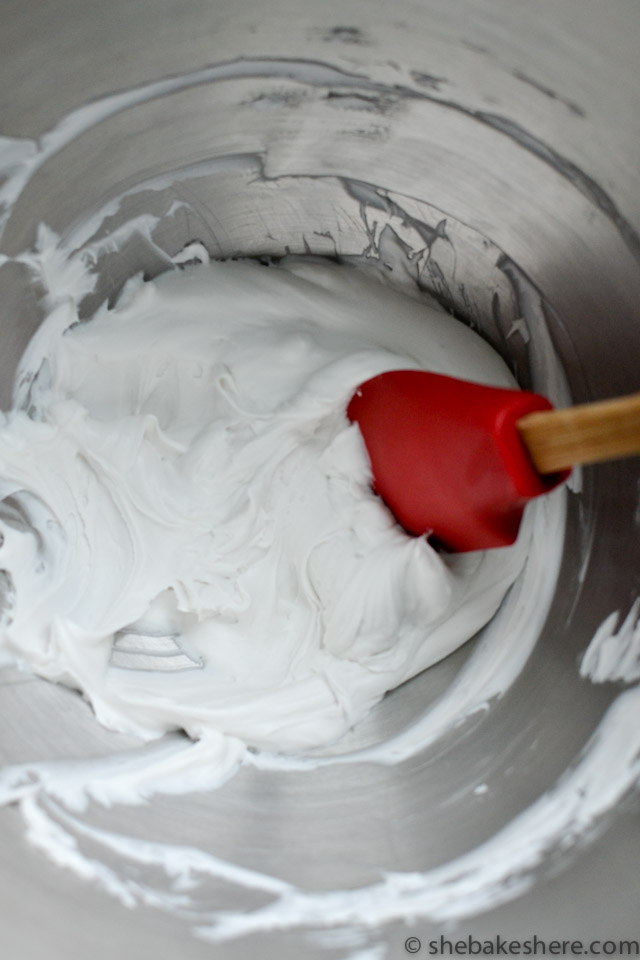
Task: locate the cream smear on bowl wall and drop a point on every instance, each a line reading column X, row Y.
column 190, row 540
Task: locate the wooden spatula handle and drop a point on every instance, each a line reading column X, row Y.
column 587, row 433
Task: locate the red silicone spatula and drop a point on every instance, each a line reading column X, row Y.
column 460, row 461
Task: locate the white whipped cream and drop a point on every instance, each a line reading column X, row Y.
column 55, row 793
column 205, row 552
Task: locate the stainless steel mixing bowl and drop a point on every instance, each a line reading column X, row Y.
column 471, row 147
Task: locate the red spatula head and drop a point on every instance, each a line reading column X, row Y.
column 446, row 456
